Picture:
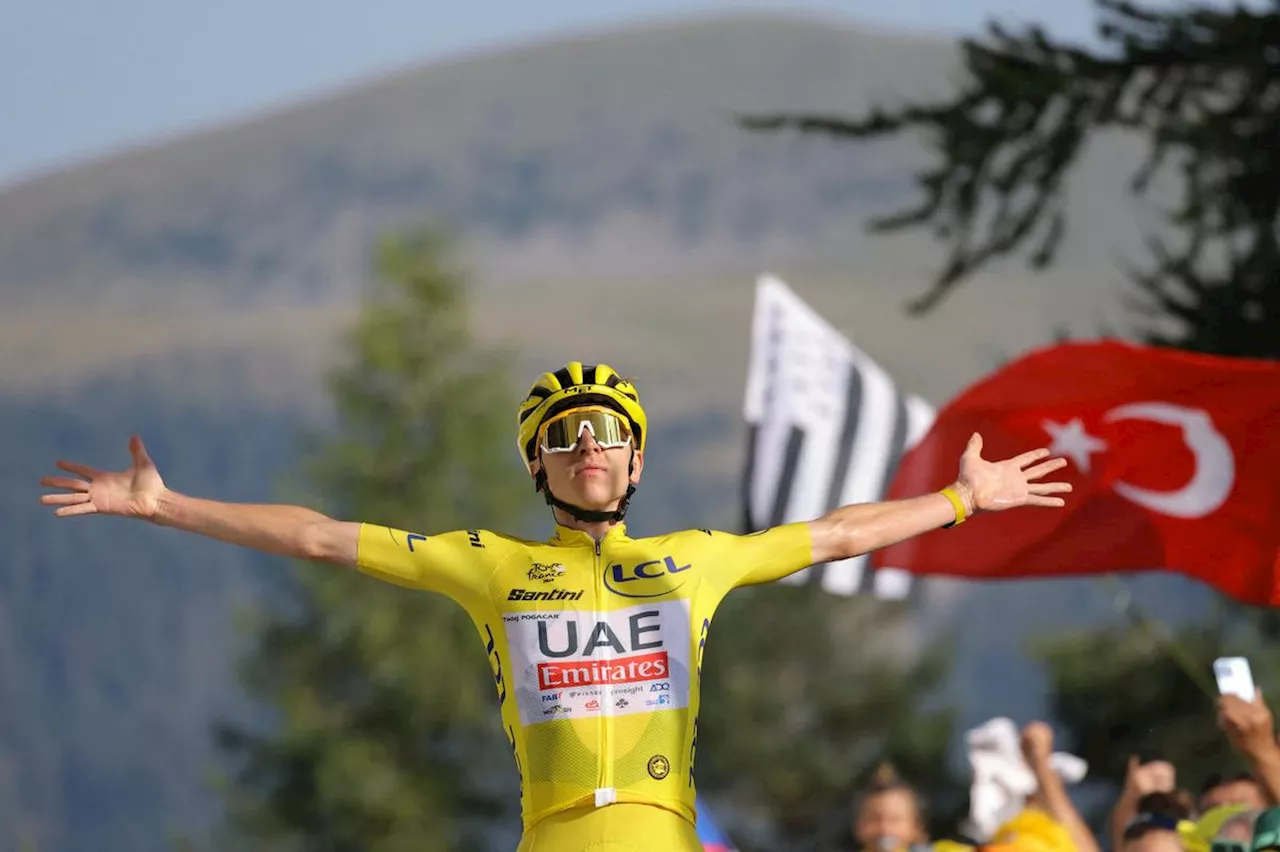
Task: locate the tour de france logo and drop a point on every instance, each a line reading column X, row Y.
column 659, row 766
column 546, row 573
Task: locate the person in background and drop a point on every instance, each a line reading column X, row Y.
column 1051, row 795
column 1140, row 781
column 1251, row 731
column 889, row 814
column 1266, row 831
column 1159, row 821
column 1239, row 788
column 1238, row 829
column 1203, row 834
column 1048, row 820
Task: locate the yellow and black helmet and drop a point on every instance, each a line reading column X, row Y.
column 573, row 386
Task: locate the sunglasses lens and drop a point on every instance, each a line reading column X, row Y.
column 561, row 434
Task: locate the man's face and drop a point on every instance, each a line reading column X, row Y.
column 888, row 818
column 1243, row 792
column 591, row 476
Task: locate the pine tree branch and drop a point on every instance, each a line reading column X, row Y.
column 1198, row 83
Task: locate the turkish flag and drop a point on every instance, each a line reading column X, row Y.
column 1174, row 459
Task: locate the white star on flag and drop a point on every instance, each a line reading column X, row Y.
column 1072, row 441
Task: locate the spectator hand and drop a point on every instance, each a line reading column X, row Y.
column 1156, row 776
column 1248, row 725
column 1037, row 744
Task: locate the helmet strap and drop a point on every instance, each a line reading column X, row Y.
column 588, row 515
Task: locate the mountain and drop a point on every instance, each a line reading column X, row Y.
column 192, row 290
column 609, row 162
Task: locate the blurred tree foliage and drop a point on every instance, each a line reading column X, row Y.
column 805, row 694
column 1199, row 82
column 388, row 733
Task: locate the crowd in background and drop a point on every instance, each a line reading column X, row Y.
column 1156, row 810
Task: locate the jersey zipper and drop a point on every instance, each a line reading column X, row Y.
column 605, row 794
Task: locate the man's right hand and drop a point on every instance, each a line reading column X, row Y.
column 139, row 492
column 132, row 493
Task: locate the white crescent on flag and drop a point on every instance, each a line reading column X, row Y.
column 1215, row 470
column 826, row 427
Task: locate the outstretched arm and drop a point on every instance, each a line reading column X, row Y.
column 139, row 492
column 284, row 530
column 982, row 486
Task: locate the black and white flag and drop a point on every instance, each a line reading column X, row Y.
column 826, row 428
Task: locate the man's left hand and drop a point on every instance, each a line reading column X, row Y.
column 993, row 486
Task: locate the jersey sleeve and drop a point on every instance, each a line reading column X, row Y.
column 456, row 564
column 762, row 557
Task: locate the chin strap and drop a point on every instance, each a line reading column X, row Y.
column 588, row 515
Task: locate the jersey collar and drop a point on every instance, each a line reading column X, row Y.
column 570, row 537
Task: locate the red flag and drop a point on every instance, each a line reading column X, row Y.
column 1174, row 459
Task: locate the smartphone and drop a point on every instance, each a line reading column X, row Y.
column 1234, row 677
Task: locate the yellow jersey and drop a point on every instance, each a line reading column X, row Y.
column 596, row 647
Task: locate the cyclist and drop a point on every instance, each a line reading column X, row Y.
column 594, row 638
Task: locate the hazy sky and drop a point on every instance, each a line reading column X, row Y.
column 81, row 77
